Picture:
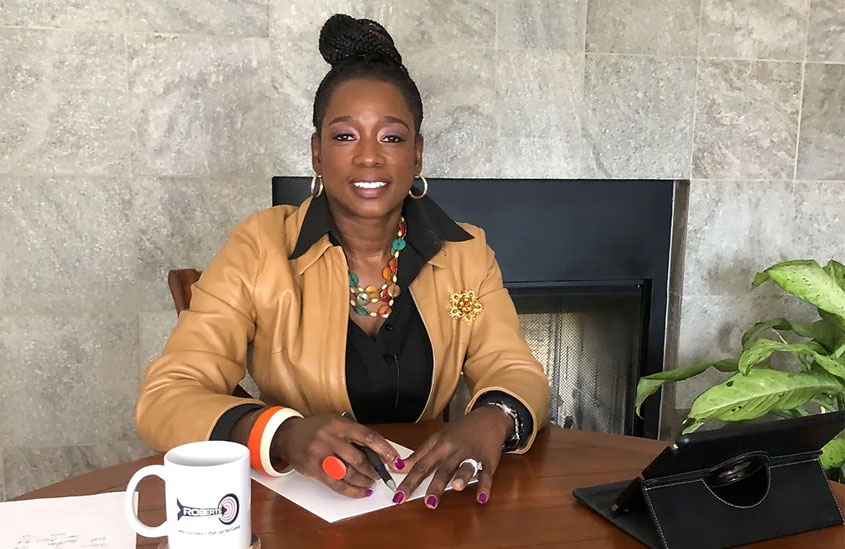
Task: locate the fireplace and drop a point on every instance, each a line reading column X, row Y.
column 587, row 263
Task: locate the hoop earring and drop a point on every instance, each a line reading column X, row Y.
column 313, row 184
column 425, row 189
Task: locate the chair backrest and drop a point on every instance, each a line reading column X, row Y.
column 180, row 281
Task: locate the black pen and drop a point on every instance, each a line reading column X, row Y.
column 374, row 460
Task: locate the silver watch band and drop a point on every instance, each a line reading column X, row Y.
column 514, row 441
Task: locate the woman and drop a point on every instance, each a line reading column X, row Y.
column 366, row 299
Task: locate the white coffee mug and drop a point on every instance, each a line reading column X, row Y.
column 207, row 497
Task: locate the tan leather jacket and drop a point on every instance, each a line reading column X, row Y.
column 295, row 311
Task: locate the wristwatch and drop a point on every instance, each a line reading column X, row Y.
column 512, row 443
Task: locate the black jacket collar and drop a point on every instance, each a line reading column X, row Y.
column 428, row 226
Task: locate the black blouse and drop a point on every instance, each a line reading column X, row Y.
column 388, row 378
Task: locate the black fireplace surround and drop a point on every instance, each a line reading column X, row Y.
column 569, row 236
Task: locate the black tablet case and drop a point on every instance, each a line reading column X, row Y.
column 671, row 505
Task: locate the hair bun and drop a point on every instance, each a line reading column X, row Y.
column 343, row 38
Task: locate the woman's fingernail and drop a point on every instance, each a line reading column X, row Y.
column 398, row 497
column 482, row 498
column 368, row 493
column 431, row 502
column 458, row 485
column 398, row 463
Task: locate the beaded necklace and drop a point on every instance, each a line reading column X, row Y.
column 387, row 292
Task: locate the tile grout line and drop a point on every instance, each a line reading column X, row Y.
column 497, row 168
column 585, row 20
column 237, row 176
column 583, row 106
column 128, row 107
column 695, row 90
column 247, row 178
column 127, row 113
column 801, row 94
column 139, row 365
column 496, row 27
column 127, row 30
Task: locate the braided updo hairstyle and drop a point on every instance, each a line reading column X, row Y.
column 362, row 48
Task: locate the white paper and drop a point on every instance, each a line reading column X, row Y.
column 82, row 522
column 330, row 506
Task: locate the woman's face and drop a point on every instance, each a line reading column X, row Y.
column 367, row 151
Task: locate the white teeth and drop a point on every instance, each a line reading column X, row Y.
column 369, row 184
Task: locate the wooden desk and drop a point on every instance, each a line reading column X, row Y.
column 531, row 503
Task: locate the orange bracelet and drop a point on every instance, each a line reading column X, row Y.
column 254, row 441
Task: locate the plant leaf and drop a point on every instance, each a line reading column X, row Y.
column 763, row 349
column 810, row 283
column 753, row 333
column 835, row 366
column 836, row 321
column 822, row 331
column 833, row 453
column 761, row 278
column 760, row 391
column 836, row 271
column 825, row 402
column 691, row 426
column 649, row 385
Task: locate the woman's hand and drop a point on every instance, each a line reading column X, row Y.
column 305, row 442
column 479, row 435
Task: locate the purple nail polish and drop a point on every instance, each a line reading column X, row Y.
column 431, row 502
column 482, row 498
column 398, row 497
column 399, row 464
column 368, row 493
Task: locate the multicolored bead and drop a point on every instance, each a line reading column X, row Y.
column 361, row 297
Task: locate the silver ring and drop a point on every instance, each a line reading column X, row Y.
column 476, row 465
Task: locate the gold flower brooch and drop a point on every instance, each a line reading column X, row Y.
column 465, row 305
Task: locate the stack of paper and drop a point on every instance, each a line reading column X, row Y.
column 70, row 523
column 330, row 506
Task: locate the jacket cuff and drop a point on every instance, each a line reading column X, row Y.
column 223, row 428
column 525, row 425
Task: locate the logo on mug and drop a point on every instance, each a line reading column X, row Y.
column 226, row 511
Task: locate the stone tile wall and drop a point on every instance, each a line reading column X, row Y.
column 135, row 133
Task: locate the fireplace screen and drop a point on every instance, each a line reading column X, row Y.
column 589, row 345
column 589, row 348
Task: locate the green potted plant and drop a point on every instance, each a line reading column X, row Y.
column 815, row 383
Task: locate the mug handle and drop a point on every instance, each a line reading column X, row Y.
column 129, row 502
